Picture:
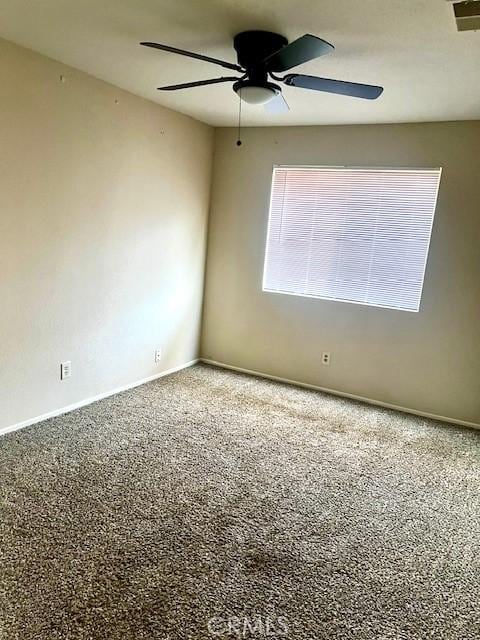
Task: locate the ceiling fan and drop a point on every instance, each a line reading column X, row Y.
column 262, row 54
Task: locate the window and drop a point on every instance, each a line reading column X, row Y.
column 353, row 235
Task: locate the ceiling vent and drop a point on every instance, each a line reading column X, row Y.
column 467, row 15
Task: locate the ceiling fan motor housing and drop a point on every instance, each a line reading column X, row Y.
column 254, row 46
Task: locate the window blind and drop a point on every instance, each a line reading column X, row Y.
column 354, row 235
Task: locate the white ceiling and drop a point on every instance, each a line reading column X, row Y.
column 411, row 47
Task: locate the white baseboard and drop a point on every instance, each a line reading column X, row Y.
column 343, row 394
column 87, row 401
column 83, row 403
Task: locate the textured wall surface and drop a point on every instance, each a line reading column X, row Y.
column 427, row 361
column 103, row 212
column 103, row 208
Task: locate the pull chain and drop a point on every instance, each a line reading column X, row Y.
column 239, row 141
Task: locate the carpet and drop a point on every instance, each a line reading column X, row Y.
column 211, row 504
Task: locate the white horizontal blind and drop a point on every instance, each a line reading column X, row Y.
column 355, row 235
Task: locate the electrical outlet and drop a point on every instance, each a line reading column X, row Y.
column 158, row 355
column 65, row 370
column 326, row 358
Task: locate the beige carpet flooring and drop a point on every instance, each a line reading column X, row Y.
column 210, row 504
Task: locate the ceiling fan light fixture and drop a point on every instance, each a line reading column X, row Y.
column 256, row 93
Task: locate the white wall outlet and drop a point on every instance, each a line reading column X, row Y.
column 65, row 370
column 158, row 355
column 326, row 358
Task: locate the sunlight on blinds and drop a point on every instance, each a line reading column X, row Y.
column 354, row 235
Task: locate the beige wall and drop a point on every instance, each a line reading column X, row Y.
column 427, row 361
column 103, row 211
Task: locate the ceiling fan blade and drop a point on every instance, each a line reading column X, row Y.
column 197, row 83
column 367, row 91
column 277, row 105
column 190, row 54
column 306, row 48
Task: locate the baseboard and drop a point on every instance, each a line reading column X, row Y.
column 101, row 396
column 343, row 394
column 260, row 374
